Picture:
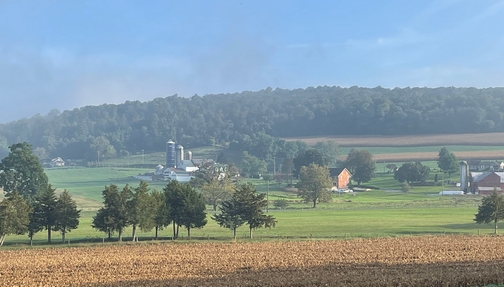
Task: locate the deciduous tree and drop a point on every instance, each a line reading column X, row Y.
column 14, row 216
column 361, row 165
column 141, row 209
column 412, row 172
column 491, row 209
column 314, row 184
column 217, row 191
column 21, row 171
column 447, row 161
column 114, row 215
column 308, row 157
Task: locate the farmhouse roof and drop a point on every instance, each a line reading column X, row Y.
column 335, row 171
column 478, row 176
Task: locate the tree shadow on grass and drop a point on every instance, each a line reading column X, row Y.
column 338, row 274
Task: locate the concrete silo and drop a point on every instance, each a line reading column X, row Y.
column 179, row 156
column 189, row 155
column 170, row 154
column 464, row 176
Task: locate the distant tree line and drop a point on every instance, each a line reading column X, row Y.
column 94, row 132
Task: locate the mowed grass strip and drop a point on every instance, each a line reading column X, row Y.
column 405, row 261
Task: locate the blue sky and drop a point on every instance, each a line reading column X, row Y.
column 68, row 54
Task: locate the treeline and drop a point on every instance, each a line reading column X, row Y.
column 112, row 130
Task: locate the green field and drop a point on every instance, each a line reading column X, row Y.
column 384, row 211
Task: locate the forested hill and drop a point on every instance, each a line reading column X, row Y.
column 198, row 121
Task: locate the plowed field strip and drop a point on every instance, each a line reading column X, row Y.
column 408, row 261
column 410, row 140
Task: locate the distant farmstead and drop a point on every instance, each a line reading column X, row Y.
column 58, row 161
column 341, row 177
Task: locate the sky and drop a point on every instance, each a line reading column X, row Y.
column 68, row 54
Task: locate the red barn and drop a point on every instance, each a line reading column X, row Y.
column 485, row 182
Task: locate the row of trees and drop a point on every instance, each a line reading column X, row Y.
column 179, row 205
column 30, row 204
column 43, row 211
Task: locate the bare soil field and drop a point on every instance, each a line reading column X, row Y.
column 486, row 139
column 404, row 261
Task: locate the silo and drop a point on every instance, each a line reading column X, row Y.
column 170, row 154
column 189, row 155
column 464, row 176
column 179, row 157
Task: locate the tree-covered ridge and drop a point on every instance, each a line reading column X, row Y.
column 196, row 121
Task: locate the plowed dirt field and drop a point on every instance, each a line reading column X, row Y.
column 406, row 261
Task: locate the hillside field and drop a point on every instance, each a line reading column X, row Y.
column 419, row 147
column 405, row 261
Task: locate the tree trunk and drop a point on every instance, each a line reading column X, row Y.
column 234, row 233
column 173, row 237
column 215, row 206
column 250, row 233
column 2, row 239
column 63, row 235
column 157, row 229
column 189, row 233
column 31, row 240
column 133, row 234
column 495, row 227
column 315, row 203
column 120, row 235
column 48, row 234
column 109, row 235
column 177, row 231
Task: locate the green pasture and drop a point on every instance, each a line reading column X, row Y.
column 378, row 212
column 310, row 223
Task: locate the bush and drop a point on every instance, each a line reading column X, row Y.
column 281, row 203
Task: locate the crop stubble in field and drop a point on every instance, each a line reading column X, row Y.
column 405, row 261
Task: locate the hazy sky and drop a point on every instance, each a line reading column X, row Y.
column 67, row 54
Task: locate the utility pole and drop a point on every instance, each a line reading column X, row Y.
column 143, row 157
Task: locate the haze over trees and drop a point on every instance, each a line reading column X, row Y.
column 239, row 118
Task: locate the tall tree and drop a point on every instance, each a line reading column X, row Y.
column 46, row 210
column 252, row 205
column 21, row 171
column 114, row 215
column 251, row 165
column 447, row 161
column 141, row 209
column 194, row 215
column 14, row 216
column 162, row 212
column 186, row 206
column 412, row 172
column 308, row 157
column 217, row 191
column 231, row 214
column 491, row 209
column 361, row 165
column 67, row 214
column 314, row 184
column 330, row 150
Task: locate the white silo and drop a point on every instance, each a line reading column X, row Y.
column 179, row 155
column 189, row 155
column 464, row 176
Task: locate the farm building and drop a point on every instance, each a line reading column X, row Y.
column 341, row 177
column 478, row 165
column 485, row 182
